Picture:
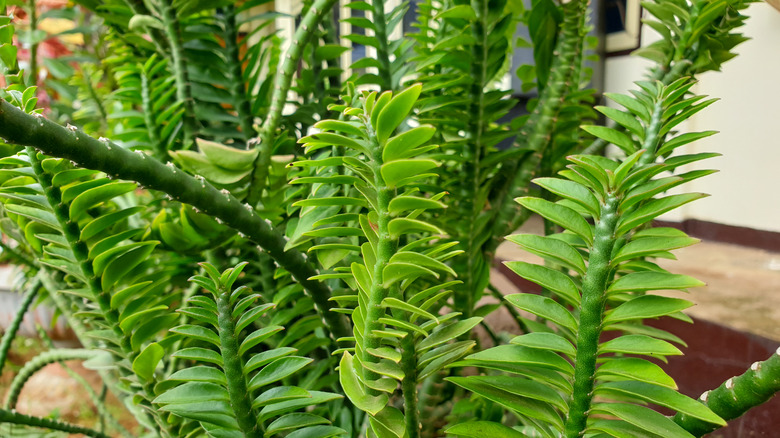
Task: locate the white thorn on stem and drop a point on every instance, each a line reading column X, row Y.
column 704, row 395
column 730, row 383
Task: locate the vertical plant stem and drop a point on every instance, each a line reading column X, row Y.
column 383, row 51
column 13, row 328
column 152, row 128
column 183, row 91
column 409, row 386
column 282, row 83
column 234, row 368
column 34, row 45
column 237, row 87
column 538, row 130
column 594, row 286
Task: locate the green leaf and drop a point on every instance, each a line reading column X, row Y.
column 227, row 157
column 257, row 337
column 639, row 344
column 403, row 145
column 327, row 139
column 519, row 355
column 635, row 368
column 573, row 191
column 646, row 306
column 198, row 332
column 342, row 126
column 399, row 173
column 146, row 362
column 394, row 303
column 279, row 394
column 482, row 429
column 613, row 136
column 396, row 112
column 200, row 374
column 199, row 354
column 355, row 391
column 395, row 272
column 447, row 333
column 294, row 421
column 551, row 249
column 422, row 260
column 193, row 392
column 277, row 370
column 660, row 396
column 548, row 278
column 558, row 214
column 644, row 281
column 545, row 341
column 465, row 12
column 403, row 203
column 544, row 307
column 623, row 118
column 399, row 226
column 98, row 195
column 683, row 139
column 643, row 418
column 389, row 423
column 653, row 209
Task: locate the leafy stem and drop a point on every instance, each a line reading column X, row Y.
column 594, row 286
column 282, row 83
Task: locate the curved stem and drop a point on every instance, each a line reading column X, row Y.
column 13, row 328
column 35, row 364
column 179, row 64
column 594, row 286
column 238, row 89
column 737, row 395
column 27, row 420
column 282, row 84
column 52, row 139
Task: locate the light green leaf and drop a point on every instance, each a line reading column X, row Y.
column 294, row 421
column 544, row 307
column 613, row 136
column 551, row 249
column 227, row 157
column 279, row 394
column 551, row 279
column 482, row 429
column 545, row 341
column 447, row 333
column 400, row 204
column 191, row 392
column 402, row 225
column 573, row 191
column 146, row 362
column 354, row 389
column 395, row 272
column 563, row 216
column 200, row 373
column 643, row 418
column 396, row 112
column 399, row 172
column 389, row 423
column 644, row 281
column 653, row 209
column 199, row 354
column 394, row 303
column 639, row 344
column 403, row 145
column 198, row 332
column 660, row 396
column 277, row 370
column 646, row 306
column 635, row 368
column 519, row 355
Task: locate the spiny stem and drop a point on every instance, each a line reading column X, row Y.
column 27, row 420
column 13, row 328
column 35, row 364
column 282, row 83
column 179, row 64
column 737, row 395
column 538, row 130
column 238, row 89
column 233, row 367
column 90, row 153
column 383, row 51
column 594, row 287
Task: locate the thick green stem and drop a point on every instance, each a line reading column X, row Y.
column 409, row 386
column 234, row 368
column 35, row 364
column 737, row 395
column 21, row 419
column 282, row 83
column 13, row 328
column 474, row 151
column 594, row 286
column 238, row 89
column 52, row 139
column 152, row 128
column 383, row 51
column 179, row 63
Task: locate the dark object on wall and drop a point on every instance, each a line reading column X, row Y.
column 623, row 26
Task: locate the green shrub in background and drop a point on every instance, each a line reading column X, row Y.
column 236, row 270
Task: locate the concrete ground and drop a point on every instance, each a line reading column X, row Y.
column 743, row 284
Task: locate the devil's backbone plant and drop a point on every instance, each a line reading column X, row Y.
column 251, row 239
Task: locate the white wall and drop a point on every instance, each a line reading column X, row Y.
column 745, row 191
